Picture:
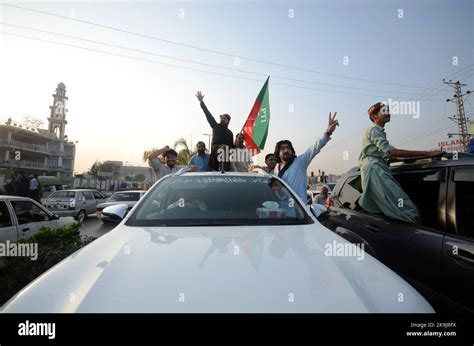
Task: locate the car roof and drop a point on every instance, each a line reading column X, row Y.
column 5, row 197
column 75, row 190
column 125, row 191
column 214, row 173
column 423, row 164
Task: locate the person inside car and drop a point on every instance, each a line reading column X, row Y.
column 382, row 194
column 187, row 200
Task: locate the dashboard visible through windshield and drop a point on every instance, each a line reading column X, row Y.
column 219, row 201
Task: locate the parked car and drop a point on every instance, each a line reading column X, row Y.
column 78, row 203
column 123, row 197
column 218, row 242
column 22, row 217
column 436, row 257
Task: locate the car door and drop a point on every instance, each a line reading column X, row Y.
column 99, row 198
column 91, row 203
column 458, row 246
column 413, row 251
column 8, row 229
column 31, row 217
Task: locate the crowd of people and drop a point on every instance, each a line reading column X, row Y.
column 23, row 185
column 381, row 192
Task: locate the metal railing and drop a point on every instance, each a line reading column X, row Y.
column 34, row 164
column 35, row 147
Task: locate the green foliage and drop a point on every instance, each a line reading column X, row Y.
column 54, row 244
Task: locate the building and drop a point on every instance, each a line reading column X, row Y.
column 24, row 146
column 133, row 171
column 117, row 170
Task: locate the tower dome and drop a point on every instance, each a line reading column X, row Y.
column 61, row 86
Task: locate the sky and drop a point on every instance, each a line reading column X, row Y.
column 321, row 56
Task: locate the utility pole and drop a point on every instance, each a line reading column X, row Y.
column 209, row 135
column 460, row 116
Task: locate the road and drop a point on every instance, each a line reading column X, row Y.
column 93, row 227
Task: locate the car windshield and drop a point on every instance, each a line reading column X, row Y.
column 219, row 201
column 63, row 194
column 125, row 197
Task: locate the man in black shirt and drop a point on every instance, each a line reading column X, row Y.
column 221, row 135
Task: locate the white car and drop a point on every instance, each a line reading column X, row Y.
column 22, row 217
column 121, row 197
column 219, row 242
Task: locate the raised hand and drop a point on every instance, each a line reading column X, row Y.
column 199, row 96
column 332, row 123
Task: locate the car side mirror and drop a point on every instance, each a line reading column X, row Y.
column 319, row 211
column 116, row 212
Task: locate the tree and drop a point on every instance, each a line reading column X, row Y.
column 148, row 153
column 95, row 169
column 184, row 153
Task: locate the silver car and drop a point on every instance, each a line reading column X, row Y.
column 77, row 203
column 219, row 242
column 129, row 198
column 22, row 217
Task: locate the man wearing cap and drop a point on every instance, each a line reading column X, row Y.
column 382, row 194
column 221, row 135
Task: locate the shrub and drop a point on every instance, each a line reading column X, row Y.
column 54, row 244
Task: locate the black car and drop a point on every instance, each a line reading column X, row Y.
column 436, row 257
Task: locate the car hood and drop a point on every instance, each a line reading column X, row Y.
column 217, row 269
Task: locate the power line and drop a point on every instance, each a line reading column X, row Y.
column 442, row 85
column 429, row 134
column 205, row 64
column 420, row 132
column 206, row 49
column 185, row 67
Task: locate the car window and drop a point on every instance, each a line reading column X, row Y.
column 80, row 196
column 227, row 200
column 125, row 196
column 63, row 194
column 423, row 188
column 88, row 195
column 464, row 182
column 350, row 192
column 97, row 195
column 27, row 212
column 5, row 219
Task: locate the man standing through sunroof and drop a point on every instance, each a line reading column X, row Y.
column 221, row 135
column 382, row 194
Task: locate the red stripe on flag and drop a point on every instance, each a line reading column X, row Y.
column 249, row 125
